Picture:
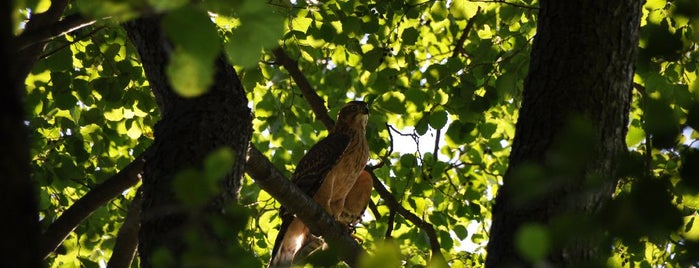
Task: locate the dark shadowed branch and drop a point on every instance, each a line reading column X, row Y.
column 393, row 204
column 311, row 213
column 316, row 102
column 81, row 209
column 127, row 238
column 44, row 34
column 459, row 46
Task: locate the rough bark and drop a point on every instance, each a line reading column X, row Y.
column 127, row 238
column 188, row 131
column 17, row 196
column 582, row 66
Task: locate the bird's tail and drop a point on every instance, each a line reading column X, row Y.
column 292, row 235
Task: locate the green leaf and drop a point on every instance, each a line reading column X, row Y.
column 460, row 232
column 386, row 254
column 165, row 5
column 661, row 123
column 532, row 241
column 192, row 188
column 372, row 59
column 218, row 163
column 409, row 36
column 438, row 118
column 193, row 31
column 259, row 28
column 190, row 76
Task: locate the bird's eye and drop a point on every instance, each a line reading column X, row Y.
column 353, row 107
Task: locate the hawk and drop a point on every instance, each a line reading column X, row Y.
column 330, row 173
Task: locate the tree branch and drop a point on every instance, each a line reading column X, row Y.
column 505, row 3
column 311, row 213
column 459, row 46
column 27, row 56
column 81, row 209
column 395, row 206
column 127, row 238
column 40, row 35
column 312, row 98
column 316, row 102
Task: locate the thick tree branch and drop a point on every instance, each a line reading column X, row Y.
column 127, row 238
column 459, row 46
column 44, row 34
column 81, row 209
column 311, row 213
column 316, row 102
column 395, row 206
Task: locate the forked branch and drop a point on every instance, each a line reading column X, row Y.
column 94, row 199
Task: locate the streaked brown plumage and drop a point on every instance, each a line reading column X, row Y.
column 328, row 172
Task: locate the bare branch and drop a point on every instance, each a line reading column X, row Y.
column 311, row 213
column 459, row 46
column 41, row 35
column 127, row 238
column 316, row 102
column 81, row 209
column 395, row 206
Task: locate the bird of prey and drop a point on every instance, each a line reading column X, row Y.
column 328, row 172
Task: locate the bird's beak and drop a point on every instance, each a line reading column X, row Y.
column 365, row 109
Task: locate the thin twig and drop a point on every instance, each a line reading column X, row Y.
column 41, row 35
column 80, row 38
column 459, row 46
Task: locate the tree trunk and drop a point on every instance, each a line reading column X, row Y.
column 581, row 70
column 189, row 129
column 19, row 244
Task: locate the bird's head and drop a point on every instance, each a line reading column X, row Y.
column 355, row 114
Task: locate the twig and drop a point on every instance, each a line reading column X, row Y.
column 391, row 220
column 505, row 3
column 395, row 206
column 436, row 144
column 81, row 209
column 44, row 34
column 127, row 238
column 374, row 209
column 464, row 35
column 316, row 102
column 55, row 50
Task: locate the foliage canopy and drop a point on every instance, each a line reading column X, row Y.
column 445, row 73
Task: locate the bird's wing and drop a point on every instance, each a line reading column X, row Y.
column 318, row 161
column 310, row 173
